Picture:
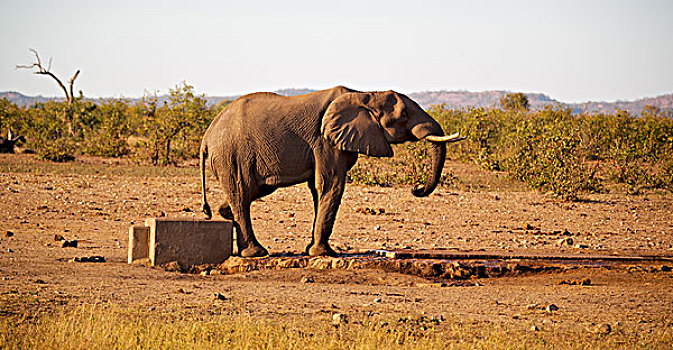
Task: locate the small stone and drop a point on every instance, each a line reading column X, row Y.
column 534, row 328
column 307, row 279
column 58, row 237
column 186, row 210
column 91, row 259
column 581, row 246
column 666, row 268
column 377, row 300
column 377, row 227
column 220, row 296
column 602, row 328
column 9, row 234
column 532, row 306
column 566, row 241
column 582, row 282
column 339, row 319
column 9, row 250
column 205, row 273
column 551, row 307
column 431, row 285
column 477, row 284
column 160, row 214
column 39, row 281
column 173, row 266
column 70, row 244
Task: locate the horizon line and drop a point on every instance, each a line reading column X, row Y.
column 121, row 96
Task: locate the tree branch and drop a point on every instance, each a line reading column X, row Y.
column 72, row 81
column 45, row 71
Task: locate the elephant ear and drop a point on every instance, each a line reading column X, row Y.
column 348, row 125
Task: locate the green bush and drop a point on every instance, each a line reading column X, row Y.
column 46, row 131
column 545, row 151
column 514, row 101
column 551, row 150
column 554, row 151
column 172, row 129
column 107, row 129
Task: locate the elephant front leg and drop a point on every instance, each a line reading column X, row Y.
column 330, row 180
column 328, row 205
column 314, row 195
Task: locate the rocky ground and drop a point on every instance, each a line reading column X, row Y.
column 95, row 201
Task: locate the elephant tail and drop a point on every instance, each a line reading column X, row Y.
column 203, row 156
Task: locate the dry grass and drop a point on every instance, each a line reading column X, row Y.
column 90, row 327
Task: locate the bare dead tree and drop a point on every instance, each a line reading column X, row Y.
column 69, row 96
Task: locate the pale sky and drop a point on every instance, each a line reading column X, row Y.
column 571, row 50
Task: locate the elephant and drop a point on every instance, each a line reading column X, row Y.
column 263, row 141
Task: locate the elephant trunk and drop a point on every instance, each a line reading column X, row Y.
column 438, row 153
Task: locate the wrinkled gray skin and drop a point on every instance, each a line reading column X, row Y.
column 264, row 141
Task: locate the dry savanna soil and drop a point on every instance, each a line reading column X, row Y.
column 95, row 201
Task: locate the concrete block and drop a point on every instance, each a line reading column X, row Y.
column 189, row 241
column 139, row 243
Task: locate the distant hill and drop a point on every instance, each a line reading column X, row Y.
column 465, row 99
column 20, row 99
column 294, row 92
column 452, row 99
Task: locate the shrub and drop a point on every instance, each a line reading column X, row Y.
column 555, row 151
column 46, row 132
column 545, row 151
column 172, row 129
column 108, row 129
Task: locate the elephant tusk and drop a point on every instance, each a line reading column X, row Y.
column 450, row 138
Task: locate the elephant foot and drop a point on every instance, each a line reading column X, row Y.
column 321, row 250
column 254, row 251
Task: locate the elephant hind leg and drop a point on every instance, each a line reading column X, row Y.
column 248, row 246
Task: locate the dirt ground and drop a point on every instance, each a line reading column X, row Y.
column 96, row 201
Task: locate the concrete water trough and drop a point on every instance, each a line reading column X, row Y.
column 185, row 241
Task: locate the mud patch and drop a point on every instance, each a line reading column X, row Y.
column 425, row 268
column 458, row 265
